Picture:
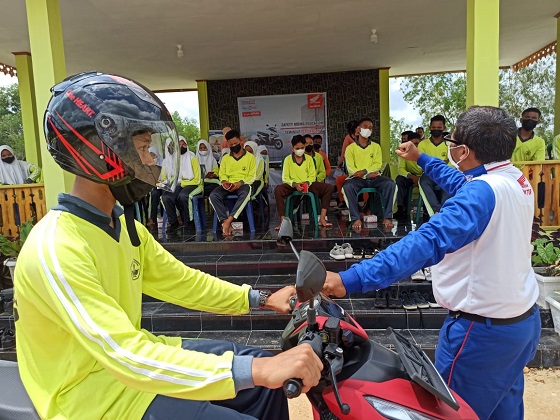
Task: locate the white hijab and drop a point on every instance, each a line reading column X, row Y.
column 13, row 173
column 258, row 156
column 208, row 161
column 155, row 151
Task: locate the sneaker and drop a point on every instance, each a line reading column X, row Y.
column 337, row 253
column 428, row 273
column 393, row 301
column 380, row 300
column 370, row 253
column 348, row 251
column 429, row 296
column 8, row 307
column 407, row 301
column 421, row 302
column 418, row 276
column 7, row 339
column 358, row 254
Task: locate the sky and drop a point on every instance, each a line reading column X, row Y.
column 186, row 103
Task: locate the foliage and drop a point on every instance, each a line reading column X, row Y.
column 11, row 248
column 11, row 128
column 397, row 127
column 188, row 128
column 546, row 249
column 445, row 94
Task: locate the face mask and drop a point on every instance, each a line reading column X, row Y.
column 8, row 159
column 184, row 150
column 528, row 124
column 365, row 132
column 317, row 146
column 299, row 152
column 203, row 152
column 436, row 133
column 456, row 164
column 236, row 149
column 265, row 157
column 309, row 148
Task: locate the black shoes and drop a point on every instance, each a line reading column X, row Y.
column 407, row 301
column 387, row 299
column 412, row 299
column 7, row 339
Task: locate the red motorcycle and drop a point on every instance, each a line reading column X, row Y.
column 361, row 379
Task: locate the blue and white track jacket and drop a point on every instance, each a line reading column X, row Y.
column 480, row 241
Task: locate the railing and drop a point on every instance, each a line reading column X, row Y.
column 544, row 177
column 20, row 203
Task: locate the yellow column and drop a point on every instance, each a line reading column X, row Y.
column 203, row 108
column 29, row 120
column 483, row 42
column 384, row 123
column 49, row 68
column 557, row 96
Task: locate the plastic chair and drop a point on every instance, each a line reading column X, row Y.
column 230, row 200
column 371, row 191
column 199, row 212
column 422, row 201
column 314, row 204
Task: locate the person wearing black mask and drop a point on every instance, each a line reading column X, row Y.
column 528, row 146
column 14, row 171
column 237, row 172
column 436, row 147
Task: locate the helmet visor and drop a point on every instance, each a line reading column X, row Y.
column 147, row 148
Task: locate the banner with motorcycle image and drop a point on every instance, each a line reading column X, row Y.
column 273, row 120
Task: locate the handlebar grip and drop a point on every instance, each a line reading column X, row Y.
column 292, row 388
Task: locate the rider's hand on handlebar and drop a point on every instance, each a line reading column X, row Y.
column 299, row 362
column 280, row 301
column 333, row 285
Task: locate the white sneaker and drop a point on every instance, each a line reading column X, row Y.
column 348, row 250
column 418, row 276
column 428, row 273
column 337, row 253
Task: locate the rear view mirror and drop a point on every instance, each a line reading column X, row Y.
column 310, row 277
column 286, row 232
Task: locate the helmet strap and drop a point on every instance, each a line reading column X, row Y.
column 131, row 225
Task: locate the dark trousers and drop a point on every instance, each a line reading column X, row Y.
column 178, row 200
column 218, row 196
column 404, row 185
column 435, row 198
column 254, row 403
column 155, row 196
column 386, row 187
column 320, row 189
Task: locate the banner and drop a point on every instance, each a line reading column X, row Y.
column 273, row 120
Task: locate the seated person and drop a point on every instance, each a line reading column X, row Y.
column 364, row 162
column 208, row 165
column 263, row 151
column 529, row 146
column 190, row 184
column 436, row 147
column 556, row 148
column 317, row 143
column 14, row 171
column 225, row 141
column 298, row 174
column 351, row 136
column 258, row 182
column 237, row 171
column 408, row 177
column 156, row 193
column 317, row 159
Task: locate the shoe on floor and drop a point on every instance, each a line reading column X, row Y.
column 419, row 300
column 407, row 301
column 337, row 253
column 370, row 253
column 393, row 301
column 7, row 307
column 429, row 296
column 380, row 300
column 428, row 273
column 418, row 276
column 7, row 340
column 348, row 251
column 358, row 254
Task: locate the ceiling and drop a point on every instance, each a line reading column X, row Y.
column 224, row 39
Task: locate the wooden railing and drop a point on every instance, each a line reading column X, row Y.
column 544, row 177
column 20, row 203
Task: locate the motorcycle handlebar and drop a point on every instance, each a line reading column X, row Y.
column 292, row 387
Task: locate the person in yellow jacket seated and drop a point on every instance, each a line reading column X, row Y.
column 299, row 174
column 529, row 146
column 80, row 276
column 237, row 173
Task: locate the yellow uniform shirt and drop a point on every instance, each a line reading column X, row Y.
column 319, row 167
column 409, row 167
column 292, row 172
column 435, row 150
column 78, row 302
column 359, row 158
column 235, row 170
column 534, row 148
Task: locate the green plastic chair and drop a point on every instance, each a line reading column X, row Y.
column 371, row 191
column 314, row 206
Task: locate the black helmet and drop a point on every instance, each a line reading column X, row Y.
column 100, row 126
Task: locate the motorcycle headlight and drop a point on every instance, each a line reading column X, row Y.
column 394, row 411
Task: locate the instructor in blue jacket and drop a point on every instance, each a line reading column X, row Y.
column 480, row 241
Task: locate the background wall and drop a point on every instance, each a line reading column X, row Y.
column 350, row 95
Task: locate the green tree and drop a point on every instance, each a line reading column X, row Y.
column 397, row 127
column 11, row 128
column 188, row 128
